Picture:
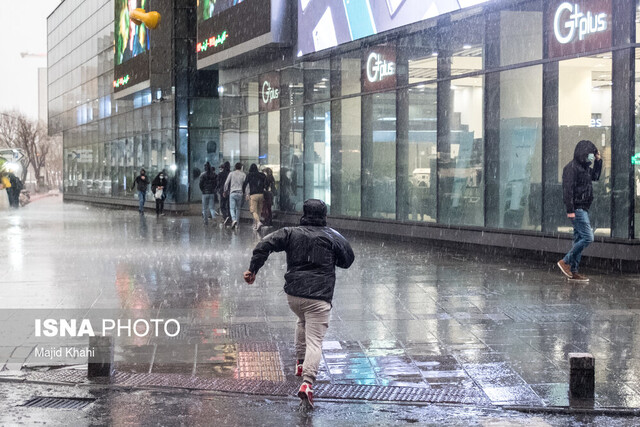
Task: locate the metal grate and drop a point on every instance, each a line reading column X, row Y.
column 451, row 394
column 548, row 313
column 58, row 402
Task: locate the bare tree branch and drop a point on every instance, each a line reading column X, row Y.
column 18, row 131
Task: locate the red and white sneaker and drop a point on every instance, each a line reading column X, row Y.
column 298, row 368
column 306, row 394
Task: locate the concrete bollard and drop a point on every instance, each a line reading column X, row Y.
column 100, row 357
column 582, row 375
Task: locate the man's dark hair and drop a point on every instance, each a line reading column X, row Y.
column 253, row 168
column 238, row 166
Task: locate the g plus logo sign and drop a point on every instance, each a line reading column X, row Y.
column 569, row 17
column 378, row 68
column 268, row 93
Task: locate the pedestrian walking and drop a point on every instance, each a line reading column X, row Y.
column 208, row 186
column 577, row 177
column 13, row 192
column 269, row 191
column 255, row 181
column 158, row 186
column 233, row 186
column 225, row 170
column 141, row 183
column 313, row 251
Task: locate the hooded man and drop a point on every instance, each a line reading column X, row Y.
column 141, row 183
column 225, row 170
column 208, row 186
column 577, row 177
column 313, row 252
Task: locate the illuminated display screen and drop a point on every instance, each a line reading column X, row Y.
column 234, row 23
column 132, row 44
column 209, row 8
column 327, row 23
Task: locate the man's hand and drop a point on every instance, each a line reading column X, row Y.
column 249, row 277
column 571, row 215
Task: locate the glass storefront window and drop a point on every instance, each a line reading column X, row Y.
column 317, row 152
column 291, row 158
column 230, row 137
column 462, row 43
column 250, row 94
column 316, row 81
column 346, row 161
column 520, row 151
column 636, row 167
column 231, row 103
column 519, row 34
column 350, row 73
column 379, row 155
column 249, row 142
column 291, row 87
column 461, row 154
column 421, row 156
column 584, row 112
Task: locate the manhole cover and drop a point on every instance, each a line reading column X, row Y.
column 59, row 402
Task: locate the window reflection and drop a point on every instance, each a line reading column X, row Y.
column 584, row 112
column 460, row 153
column 379, row 155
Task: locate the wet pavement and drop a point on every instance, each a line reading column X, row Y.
column 154, row 407
column 407, row 315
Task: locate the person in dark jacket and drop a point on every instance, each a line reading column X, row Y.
column 159, row 183
column 255, row 180
column 313, row 252
column 225, row 170
column 269, row 190
column 208, row 186
column 141, row 183
column 577, row 188
column 13, row 192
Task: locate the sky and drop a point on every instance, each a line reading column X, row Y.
column 23, row 28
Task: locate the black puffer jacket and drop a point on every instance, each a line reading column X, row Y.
column 222, row 176
column 313, row 252
column 255, row 180
column 208, row 182
column 577, row 177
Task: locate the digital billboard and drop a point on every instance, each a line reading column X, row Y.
column 223, row 24
column 132, row 44
column 210, row 8
column 327, row 23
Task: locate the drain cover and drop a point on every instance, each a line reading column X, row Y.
column 59, row 402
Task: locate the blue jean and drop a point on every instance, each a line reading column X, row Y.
column 582, row 237
column 208, row 203
column 142, row 197
column 235, row 202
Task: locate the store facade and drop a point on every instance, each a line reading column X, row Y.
column 446, row 120
column 461, row 122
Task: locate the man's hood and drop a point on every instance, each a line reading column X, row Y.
column 582, row 150
column 314, row 213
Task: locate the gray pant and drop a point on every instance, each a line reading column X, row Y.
column 313, row 321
